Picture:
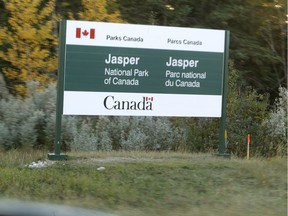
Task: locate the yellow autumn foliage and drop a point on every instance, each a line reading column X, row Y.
column 28, row 41
column 96, row 10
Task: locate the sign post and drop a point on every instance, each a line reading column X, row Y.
column 59, row 103
column 222, row 146
column 141, row 70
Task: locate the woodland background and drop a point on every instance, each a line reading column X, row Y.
column 257, row 97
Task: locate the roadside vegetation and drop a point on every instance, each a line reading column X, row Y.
column 153, row 165
column 154, row 183
column 247, row 112
column 257, row 92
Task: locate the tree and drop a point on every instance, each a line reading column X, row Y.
column 258, row 40
column 28, row 41
column 258, row 43
column 100, row 10
column 68, row 9
column 273, row 33
column 156, row 12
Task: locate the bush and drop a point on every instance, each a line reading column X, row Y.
column 30, row 122
column 19, row 123
column 277, row 125
column 24, row 121
column 248, row 112
column 200, row 134
column 126, row 133
column 278, row 115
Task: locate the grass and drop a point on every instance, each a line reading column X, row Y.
column 150, row 183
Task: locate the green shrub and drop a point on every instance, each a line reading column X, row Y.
column 30, row 122
column 19, row 122
column 248, row 112
column 125, row 133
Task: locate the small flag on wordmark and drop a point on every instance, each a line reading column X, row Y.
column 85, row 33
column 149, row 98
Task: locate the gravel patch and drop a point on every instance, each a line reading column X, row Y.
column 116, row 160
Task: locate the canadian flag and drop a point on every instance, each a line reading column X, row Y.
column 85, row 33
column 149, row 98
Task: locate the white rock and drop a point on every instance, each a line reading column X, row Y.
column 39, row 164
column 100, row 168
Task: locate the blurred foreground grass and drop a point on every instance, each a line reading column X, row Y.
column 150, row 183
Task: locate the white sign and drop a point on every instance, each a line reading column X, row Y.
column 145, row 36
column 142, row 70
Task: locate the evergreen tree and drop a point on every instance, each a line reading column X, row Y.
column 258, row 43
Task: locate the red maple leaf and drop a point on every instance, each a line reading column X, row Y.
column 85, row 33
